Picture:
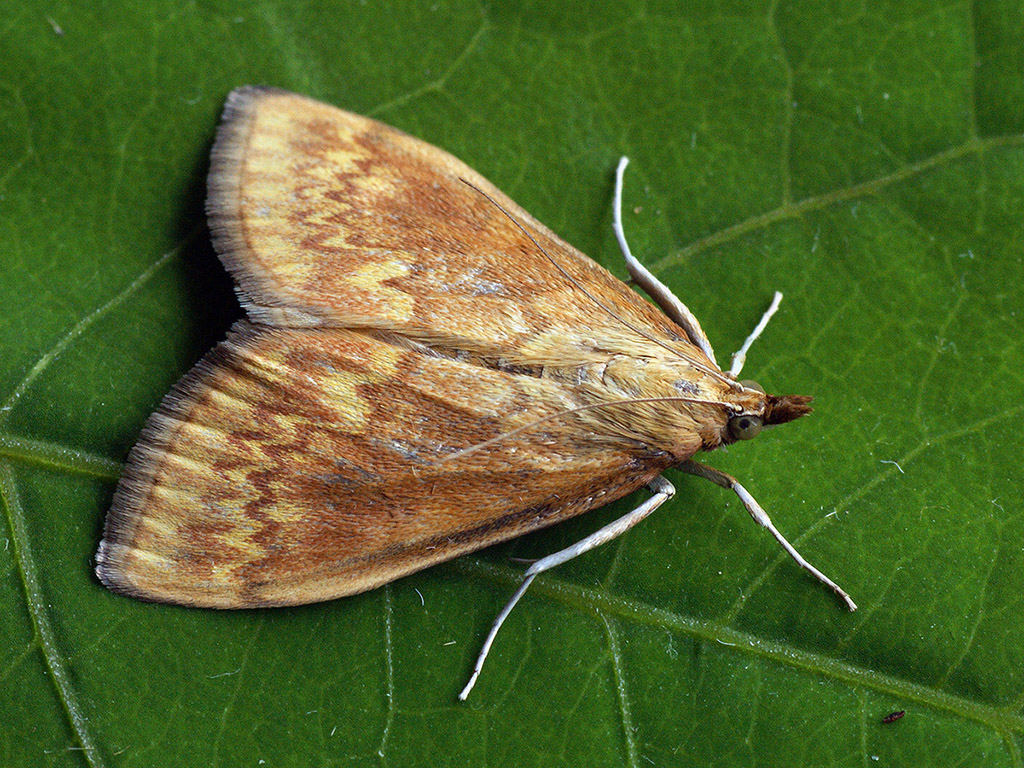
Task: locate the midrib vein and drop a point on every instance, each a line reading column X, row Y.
column 598, row 605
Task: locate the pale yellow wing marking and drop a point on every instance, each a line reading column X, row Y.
column 298, row 465
column 328, row 218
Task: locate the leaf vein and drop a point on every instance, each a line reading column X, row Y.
column 598, row 603
column 622, row 691
column 79, row 328
column 819, row 202
column 41, row 621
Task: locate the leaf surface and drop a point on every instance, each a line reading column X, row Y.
column 865, row 159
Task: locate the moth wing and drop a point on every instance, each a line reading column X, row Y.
column 327, row 218
column 297, row 465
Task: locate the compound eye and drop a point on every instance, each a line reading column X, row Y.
column 748, row 384
column 745, row 426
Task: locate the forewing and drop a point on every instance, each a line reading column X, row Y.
column 298, row 465
column 327, row 218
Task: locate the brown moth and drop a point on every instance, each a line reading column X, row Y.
column 424, row 370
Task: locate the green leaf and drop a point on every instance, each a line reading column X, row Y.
column 866, row 159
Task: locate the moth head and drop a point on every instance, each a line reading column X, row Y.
column 757, row 409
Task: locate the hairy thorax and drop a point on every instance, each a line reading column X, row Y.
column 668, row 405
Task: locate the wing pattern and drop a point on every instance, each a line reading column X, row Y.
column 295, row 465
column 396, row 318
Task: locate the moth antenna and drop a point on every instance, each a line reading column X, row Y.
column 709, row 371
column 592, row 406
column 740, row 356
column 645, row 279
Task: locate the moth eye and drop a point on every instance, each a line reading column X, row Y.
column 748, row 384
column 745, row 427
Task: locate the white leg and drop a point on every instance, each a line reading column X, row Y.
column 662, row 490
column 728, row 481
column 651, row 285
column 740, row 357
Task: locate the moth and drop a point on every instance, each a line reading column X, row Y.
column 423, row 370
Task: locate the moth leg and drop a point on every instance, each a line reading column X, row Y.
column 760, row 516
column 740, row 356
column 651, row 285
column 662, row 490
